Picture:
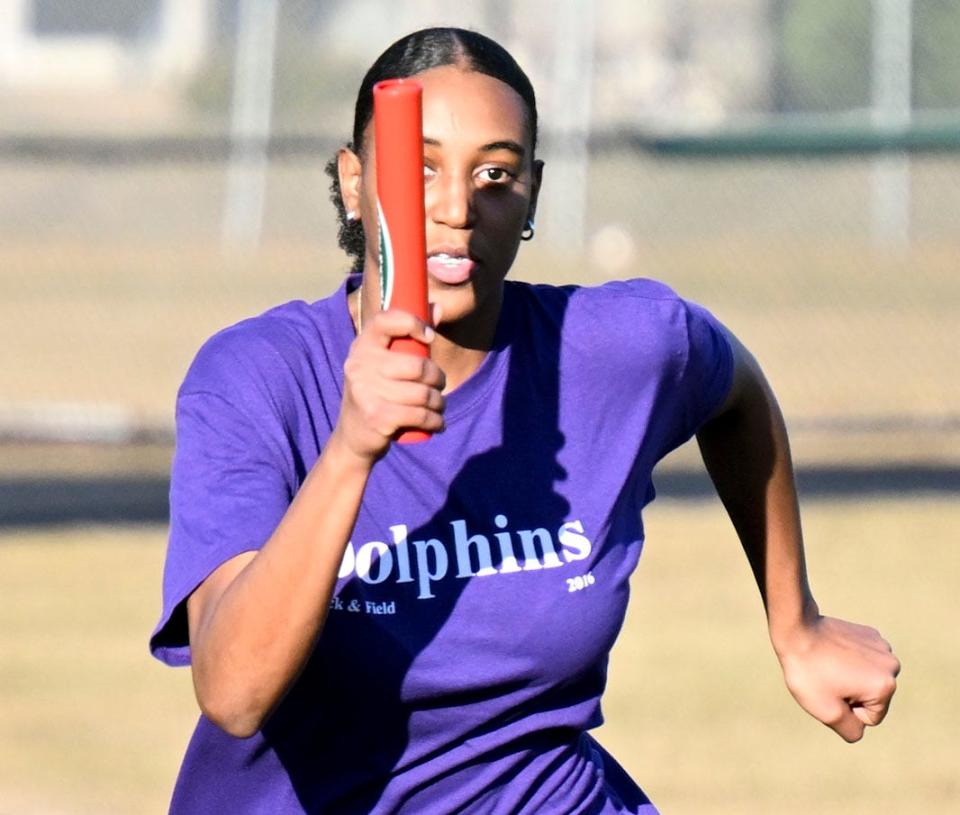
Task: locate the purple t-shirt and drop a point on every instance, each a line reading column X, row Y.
column 465, row 652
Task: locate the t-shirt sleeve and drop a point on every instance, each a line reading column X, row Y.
column 228, row 492
column 704, row 376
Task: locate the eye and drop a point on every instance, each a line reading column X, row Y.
column 496, row 175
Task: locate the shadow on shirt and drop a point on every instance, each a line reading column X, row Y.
column 345, row 726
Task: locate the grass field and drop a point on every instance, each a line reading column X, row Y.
column 695, row 707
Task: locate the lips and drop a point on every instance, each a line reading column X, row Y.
column 450, row 265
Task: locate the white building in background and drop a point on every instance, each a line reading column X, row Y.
column 680, row 59
column 60, row 44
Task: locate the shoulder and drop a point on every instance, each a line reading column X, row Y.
column 640, row 296
column 241, row 351
column 631, row 334
column 262, row 351
column 639, row 293
column 620, row 314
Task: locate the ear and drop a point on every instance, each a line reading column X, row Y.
column 535, row 188
column 349, row 169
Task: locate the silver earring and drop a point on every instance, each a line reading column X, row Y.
column 351, row 215
column 528, row 230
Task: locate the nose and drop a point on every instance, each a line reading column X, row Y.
column 449, row 201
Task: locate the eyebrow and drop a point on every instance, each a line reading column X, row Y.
column 491, row 147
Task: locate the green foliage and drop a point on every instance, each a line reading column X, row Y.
column 209, row 89
column 826, row 52
column 308, row 84
column 827, row 59
column 936, row 54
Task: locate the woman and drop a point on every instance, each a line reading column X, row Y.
column 376, row 627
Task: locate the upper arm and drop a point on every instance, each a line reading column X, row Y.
column 228, row 493
column 747, row 375
column 204, row 599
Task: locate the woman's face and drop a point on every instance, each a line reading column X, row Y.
column 480, row 184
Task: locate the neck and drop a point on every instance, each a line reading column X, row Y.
column 457, row 362
column 459, row 348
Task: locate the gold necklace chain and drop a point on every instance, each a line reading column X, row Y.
column 359, row 309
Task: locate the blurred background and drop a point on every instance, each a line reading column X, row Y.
column 792, row 164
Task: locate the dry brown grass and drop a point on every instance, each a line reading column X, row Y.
column 90, row 724
column 695, row 708
column 696, row 705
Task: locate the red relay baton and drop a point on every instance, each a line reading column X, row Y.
column 398, row 133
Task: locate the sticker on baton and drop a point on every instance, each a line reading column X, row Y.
column 398, row 134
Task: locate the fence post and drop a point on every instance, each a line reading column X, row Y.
column 250, row 124
column 573, row 69
column 892, row 80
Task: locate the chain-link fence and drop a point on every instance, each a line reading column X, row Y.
column 162, row 168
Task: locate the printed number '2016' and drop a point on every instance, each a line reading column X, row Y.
column 580, row 582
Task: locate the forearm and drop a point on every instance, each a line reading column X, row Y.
column 841, row 673
column 747, row 454
column 250, row 641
